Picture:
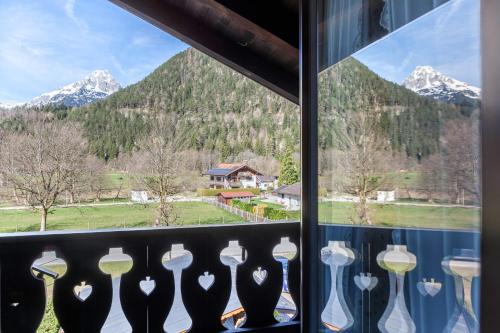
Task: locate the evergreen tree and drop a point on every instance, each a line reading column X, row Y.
column 289, row 173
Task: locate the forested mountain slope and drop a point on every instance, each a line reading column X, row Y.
column 218, row 109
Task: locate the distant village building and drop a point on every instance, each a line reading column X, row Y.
column 266, row 182
column 238, row 175
column 386, row 196
column 228, row 197
column 139, row 196
column 289, row 196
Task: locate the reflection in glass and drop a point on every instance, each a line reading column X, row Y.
column 349, row 25
column 464, row 266
column 399, row 103
column 397, row 261
column 399, row 120
column 336, row 316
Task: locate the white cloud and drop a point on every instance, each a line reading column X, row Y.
column 47, row 44
column 69, row 9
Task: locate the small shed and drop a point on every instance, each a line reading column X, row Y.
column 386, row 196
column 227, row 197
column 139, row 196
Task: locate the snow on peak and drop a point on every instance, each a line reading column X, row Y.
column 97, row 85
column 427, row 81
column 9, row 106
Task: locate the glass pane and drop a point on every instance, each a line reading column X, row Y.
column 399, row 166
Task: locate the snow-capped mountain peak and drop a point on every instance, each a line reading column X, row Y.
column 9, row 106
column 427, row 81
column 97, row 85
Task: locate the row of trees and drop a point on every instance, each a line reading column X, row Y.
column 49, row 159
column 366, row 163
column 42, row 162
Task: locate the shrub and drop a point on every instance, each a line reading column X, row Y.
column 248, row 207
column 322, row 192
column 274, row 214
column 49, row 323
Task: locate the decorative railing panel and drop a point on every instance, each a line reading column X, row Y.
column 179, row 279
column 399, row 280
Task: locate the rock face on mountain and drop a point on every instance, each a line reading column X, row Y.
column 98, row 85
column 426, row 81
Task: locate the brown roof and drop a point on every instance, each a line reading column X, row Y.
column 239, row 194
column 293, row 190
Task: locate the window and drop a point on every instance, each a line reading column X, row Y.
column 399, row 165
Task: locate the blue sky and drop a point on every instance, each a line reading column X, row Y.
column 446, row 39
column 46, row 44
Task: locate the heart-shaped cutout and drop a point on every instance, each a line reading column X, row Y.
column 365, row 281
column 421, row 289
column 260, row 275
column 431, row 288
column 147, row 286
column 206, row 280
column 357, row 281
column 82, row 291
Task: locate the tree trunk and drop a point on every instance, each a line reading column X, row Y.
column 118, row 193
column 363, row 210
column 43, row 223
column 98, row 196
column 16, row 197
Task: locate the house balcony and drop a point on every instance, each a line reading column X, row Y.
column 235, row 184
column 238, row 278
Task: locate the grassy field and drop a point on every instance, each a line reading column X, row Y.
column 268, row 204
column 404, row 216
column 117, row 179
column 129, row 216
column 189, row 213
column 400, row 215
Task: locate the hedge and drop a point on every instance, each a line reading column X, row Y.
column 248, row 207
column 211, row 192
column 274, row 214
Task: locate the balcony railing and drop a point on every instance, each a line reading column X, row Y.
column 198, row 279
column 240, row 278
column 399, row 280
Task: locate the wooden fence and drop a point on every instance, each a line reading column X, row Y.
column 250, row 217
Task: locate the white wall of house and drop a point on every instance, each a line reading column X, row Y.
column 290, row 202
column 264, row 186
column 249, row 183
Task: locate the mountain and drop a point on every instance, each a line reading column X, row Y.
column 217, row 109
column 426, row 81
column 5, row 106
column 98, row 85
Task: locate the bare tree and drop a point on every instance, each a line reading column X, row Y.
column 155, row 167
column 95, row 174
column 432, row 176
column 364, row 160
column 41, row 162
column 461, row 154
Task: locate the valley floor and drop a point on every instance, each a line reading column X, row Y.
column 127, row 215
